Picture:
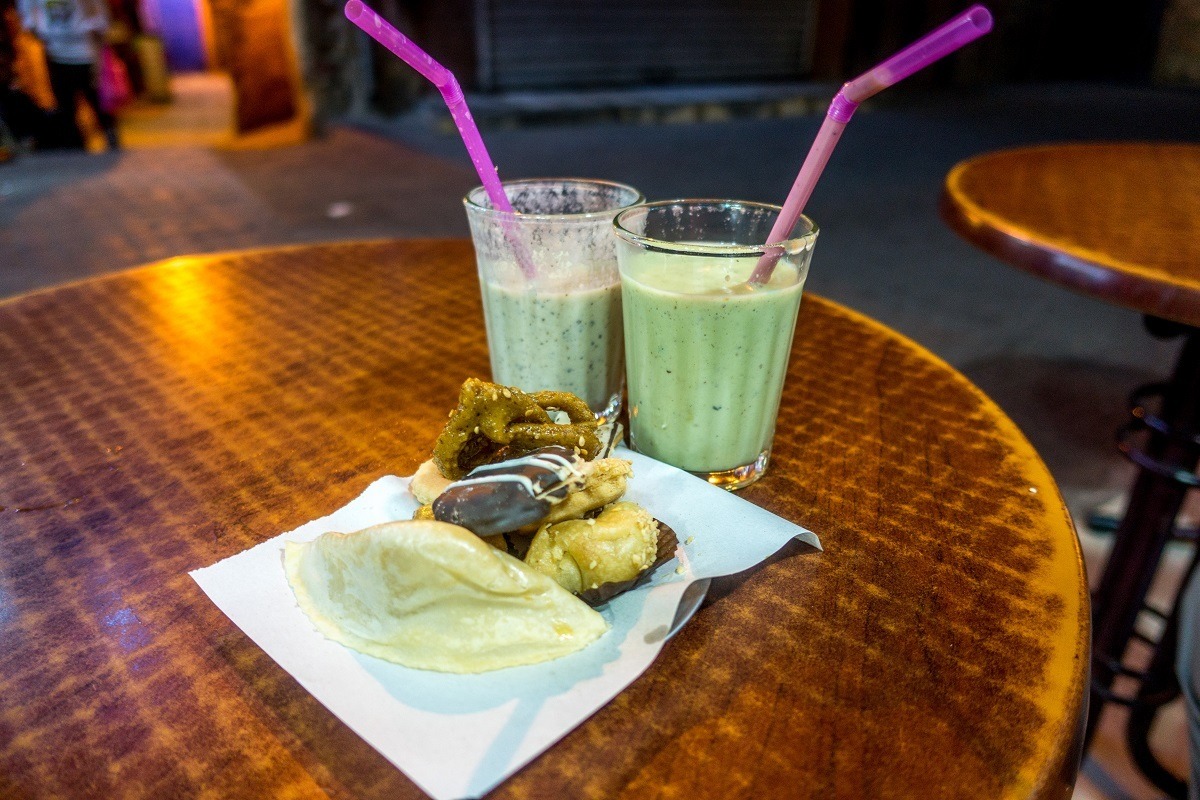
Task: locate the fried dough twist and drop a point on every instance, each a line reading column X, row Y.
column 494, row 422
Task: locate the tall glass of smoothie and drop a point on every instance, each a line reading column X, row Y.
column 706, row 352
column 551, row 290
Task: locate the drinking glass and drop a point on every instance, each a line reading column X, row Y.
column 706, row 352
column 551, row 291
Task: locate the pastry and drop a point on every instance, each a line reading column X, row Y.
column 448, row 590
column 427, row 483
column 504, row 497
column 557, row 507
column 493, row 422
column 600, row 557
column 431, row 595
column 604, row 482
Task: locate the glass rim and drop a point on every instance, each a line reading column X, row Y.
column 703, row 248
column 607, row 213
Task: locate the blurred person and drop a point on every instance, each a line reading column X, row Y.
column 72, row 32
column 1187, row 667
column 26, row 99
column 7, row 57
column 125, row 27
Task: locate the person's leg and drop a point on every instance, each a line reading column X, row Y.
column 19, row 113
column 1187, row 667
column 64, row 84
column 87, row 85
column 8, row 141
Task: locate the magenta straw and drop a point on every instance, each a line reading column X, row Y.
column 966, row 27
column 382, row 31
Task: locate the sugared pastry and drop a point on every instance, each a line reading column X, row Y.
column 503, row 497
column 431, row 595
column 668, row 542
column 580, row 554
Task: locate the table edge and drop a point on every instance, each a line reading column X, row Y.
column 1057, row 779
column 1109, row 280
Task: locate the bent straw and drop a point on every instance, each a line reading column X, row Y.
column 443, row 79
column 966, row 27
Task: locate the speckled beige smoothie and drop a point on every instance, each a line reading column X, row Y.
column 560, row 340
column 551, row 292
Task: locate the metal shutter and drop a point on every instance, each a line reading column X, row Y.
column 542, row 44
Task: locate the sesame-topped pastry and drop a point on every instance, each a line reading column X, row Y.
column 493, row 423
column 602, row 556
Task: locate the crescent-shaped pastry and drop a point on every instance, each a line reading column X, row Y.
column 431, row 595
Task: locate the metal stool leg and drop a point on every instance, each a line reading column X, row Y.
column 1167, row 471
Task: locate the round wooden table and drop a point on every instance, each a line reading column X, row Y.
column 1120, row 222
column 158, row 420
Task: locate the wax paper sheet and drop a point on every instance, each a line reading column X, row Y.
column 458, row 736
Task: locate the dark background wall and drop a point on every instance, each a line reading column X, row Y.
column 507, row 45
column 1037, row 40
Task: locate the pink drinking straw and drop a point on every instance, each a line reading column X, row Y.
column 966, row 27
column 382, row 31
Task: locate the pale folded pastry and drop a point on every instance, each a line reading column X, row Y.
column 431, row 595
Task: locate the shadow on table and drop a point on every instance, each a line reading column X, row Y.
column 722, row 587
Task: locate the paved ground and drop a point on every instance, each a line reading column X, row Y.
column 1058, row 363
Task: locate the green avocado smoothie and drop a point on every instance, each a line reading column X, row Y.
column 706, row 355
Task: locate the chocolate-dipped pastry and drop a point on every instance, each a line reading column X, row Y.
column 502, row 497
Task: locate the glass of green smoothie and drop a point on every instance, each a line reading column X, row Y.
column 551, row 290
column 706, row 351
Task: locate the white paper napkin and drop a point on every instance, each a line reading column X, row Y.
column 458, row 736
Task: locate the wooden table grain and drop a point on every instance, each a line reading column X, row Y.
column 158, row 420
